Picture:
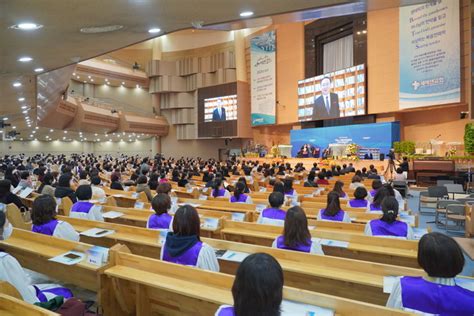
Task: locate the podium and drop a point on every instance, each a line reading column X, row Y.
column 338, row 150
column 285, row 150
column 436, row 147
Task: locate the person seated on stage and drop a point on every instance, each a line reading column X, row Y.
column 338, row 189
column 438, row 293
column 257, row 289
column 296, row 235
column 404, row 165
column 239, row 196
column 63, row 189
column 83, row 208
column 288, row 188
column 184, row 245
column 359, row 200
column 43, row 216
column 310, row 180
column 321, row 178
column 12, row 272
column 388, row 225
column 333, row 211
column 356, row 182
column 161, row 204
column 219, row 190
column 399, row 175
column 273, row 215
column 376, row 185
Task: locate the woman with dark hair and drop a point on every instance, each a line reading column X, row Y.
column 376, row 205
column 244, row 181
column 296, row 235
column 46, row 186
column 184, row 245
column 83, row 208
column 438, row 293
column 288, row 188
column 9, row 175
column 338, row 189
column 115, row 182
column 161, row 204
column 359, row 200
column 388, row 225
column 12, row 272
column 63, row 188
column 273, row 215
column 279, row 187
column 257, row 289
column 219, row 190
column 333, row 211
column 7, row 197
column 310, row 180
column 239, row 196
column 356, row 183
column 376, row 185
column 321, row 178
column 142, row 186
column 43, row 215
column 25, row 180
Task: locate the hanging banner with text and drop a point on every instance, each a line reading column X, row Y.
column 263, row 72
column 430, row 66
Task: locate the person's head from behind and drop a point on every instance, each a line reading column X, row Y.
column 288, row 185
column 142, row 180
column 389, row 209
column 84, row 192
column 258, row 286
column 276, row 199
column 325, row 86
column 4, row 187
column 440, row 256
column 376, row 184
column 399, row 170
column 95, row 181
column 239, row 189
column 164, row 187
column 48, row 179
column 333, row 205
column 279, row 187
column 43, row 210
column 161, row 203
column 321, row 175
column 338, row 187
column 24, row 175
column 83, row 175
column 356, row 179
column 218, row 185
column 360, row 193
column 65, row 181
column 296, row 227
column 186, row 222
column 381, row 194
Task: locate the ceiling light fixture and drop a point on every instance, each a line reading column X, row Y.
column 246, row 14
column 23, row 107
column 21, row 99
column 154, row 30
column 5, row 118
column 25, row 59
column 17, row 84
column 27, row 26
column 39, row 69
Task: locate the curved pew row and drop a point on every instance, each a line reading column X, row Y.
column 336, row 276
column 142, row 286
column 12, row 306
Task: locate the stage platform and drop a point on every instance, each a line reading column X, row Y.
column 308, row 162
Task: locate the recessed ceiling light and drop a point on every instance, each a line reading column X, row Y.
column 17, row 84
column 25, row 59
column 50, row 130
column 123, row 82
column 23, row 107
column 21, row 99
column 154, row 30
column 89, row 77
column 36, row 127
column 39, row 69
column 73, row 73
column 92, row 80
column 85, row 81
column 65, row 132
column 5, row 118
column 246, row 14
column 27, row 26
column 14, row 127
column 25, row 111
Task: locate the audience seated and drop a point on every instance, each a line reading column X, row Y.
column 338, row 189
column 238, row 195
column 83, row 208
column 161, row 204
column 219, row 190
column 359, row 200
column 142, row 186
column 273, row 215
column 333, row 211
column 46, row 186
column 63, row 189
column 7, row 197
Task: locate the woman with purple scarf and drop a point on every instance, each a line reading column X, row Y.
column 333, row 211
column 239, row 195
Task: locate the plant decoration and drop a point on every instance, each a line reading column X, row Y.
column 353, row 150
column 452, row 152
column 469, row 138
column 404, row 147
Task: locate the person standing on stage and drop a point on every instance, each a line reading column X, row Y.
column 327, row 104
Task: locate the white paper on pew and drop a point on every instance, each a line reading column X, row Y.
column 97, row 232
column 308, row 195
column 162, row 236
column 465, row 283
column 235, row 256
column 296, row 308
column 64, row 259
column 139, row 205
column 16, row 190
column 409, row 219
column 419, row 232
column 262, row 189
column 205, row 190
column 189, row 190
column 112, row 214
column 174, row 200
column 119, row 195
column 26, row 191
column 353, row 219
column 311, row 227
column 203, row 197
column 126, row 188
column 388, row 283
column 260, row 207
column 334, row 243
column 297, row 182
column 211, row 223
column 238, row 217
column 135, row 195
column 59, row 201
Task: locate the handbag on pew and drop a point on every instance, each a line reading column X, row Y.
column 26, row 216
column 76, row 307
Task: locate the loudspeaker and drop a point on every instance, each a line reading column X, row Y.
column 382, row 157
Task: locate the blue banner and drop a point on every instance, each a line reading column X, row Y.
column 430, row 66
column 376, row 135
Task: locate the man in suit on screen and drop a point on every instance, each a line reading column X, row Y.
column 219, row 113
column 327, row 104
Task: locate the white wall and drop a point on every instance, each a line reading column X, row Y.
column 141, row 147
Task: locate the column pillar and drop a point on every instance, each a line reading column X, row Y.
column 155, row 97
column 239, row 43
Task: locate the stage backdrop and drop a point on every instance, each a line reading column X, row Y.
column 262, row 71
column 377, row 135
column 430, row 67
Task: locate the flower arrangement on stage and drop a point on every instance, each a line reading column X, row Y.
column 353, row 150
column 452, row 152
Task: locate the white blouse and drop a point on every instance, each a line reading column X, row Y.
column 270, row 221
column 95, row 214
column 65, row 230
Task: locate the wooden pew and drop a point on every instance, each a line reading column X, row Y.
column 11, row 306
column 336, row 276
column 15, row 218
column 367, row 248
column 142, row 286
column 33, row 250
